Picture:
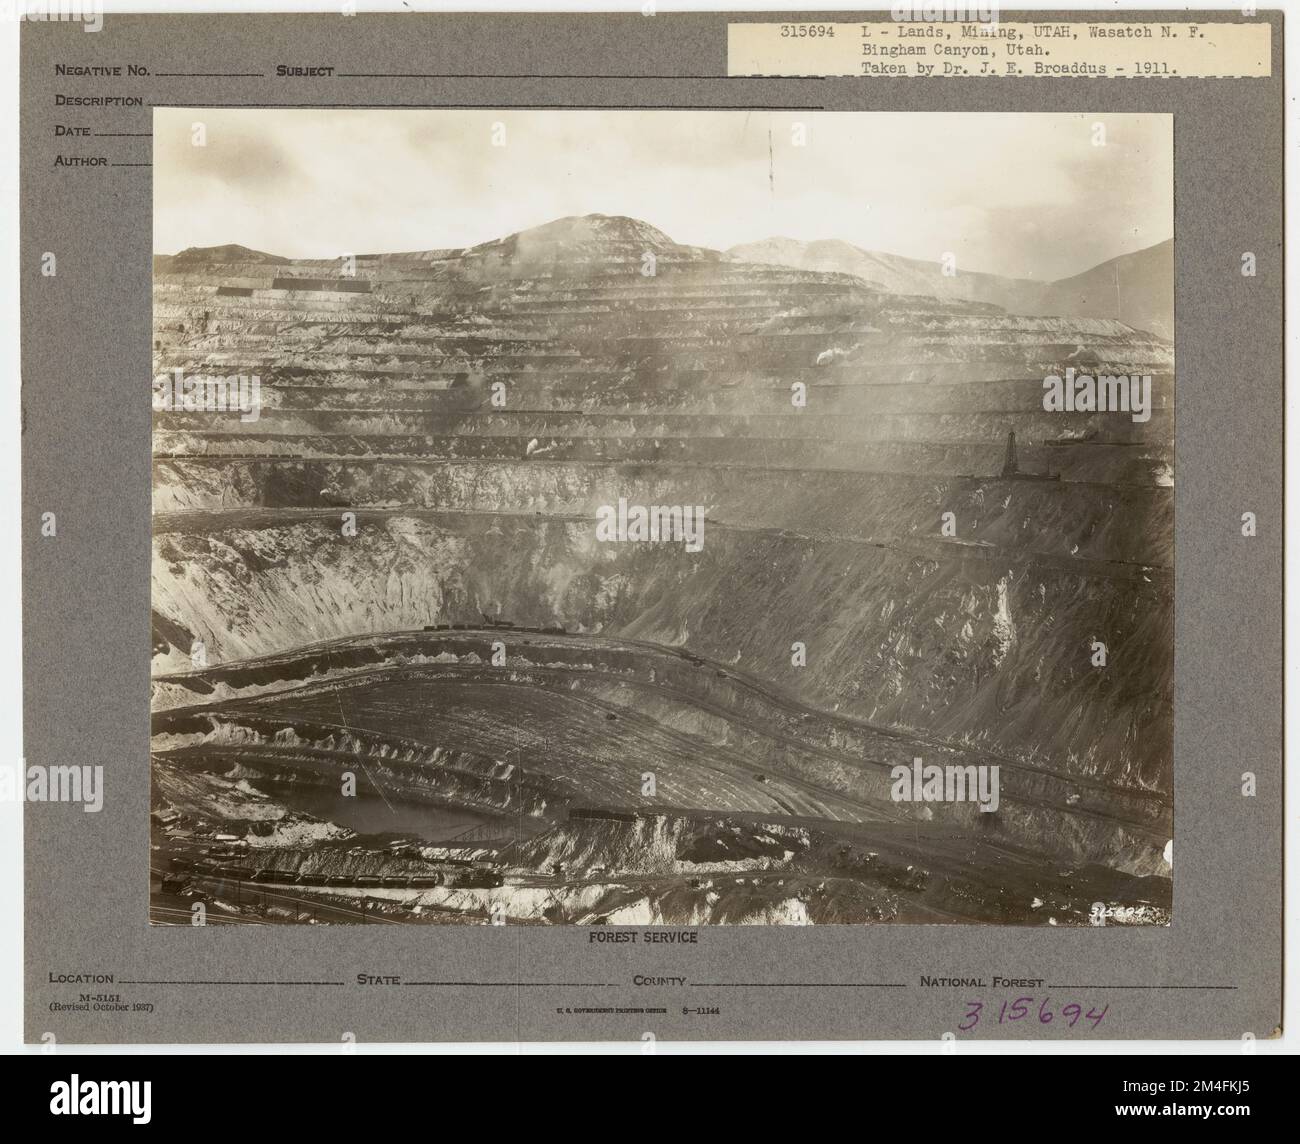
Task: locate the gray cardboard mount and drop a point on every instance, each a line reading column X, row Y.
column 1214, row 973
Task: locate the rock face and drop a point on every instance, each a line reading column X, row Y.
column 437, row 435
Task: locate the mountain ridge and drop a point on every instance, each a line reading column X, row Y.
column 1135, row 288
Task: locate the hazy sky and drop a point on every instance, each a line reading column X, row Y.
column 1026, row 195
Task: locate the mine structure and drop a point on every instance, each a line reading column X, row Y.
column 336, row 562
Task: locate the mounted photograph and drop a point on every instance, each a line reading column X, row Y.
column 604, row 517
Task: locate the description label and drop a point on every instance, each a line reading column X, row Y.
column 946, row 49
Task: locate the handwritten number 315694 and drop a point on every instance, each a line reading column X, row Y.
column 1022, row 1008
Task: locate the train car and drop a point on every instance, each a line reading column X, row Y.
column 479, row 879
column 424, row 881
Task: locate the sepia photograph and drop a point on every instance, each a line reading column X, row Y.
column 662, row 517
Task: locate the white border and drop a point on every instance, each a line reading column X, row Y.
column 11, row 865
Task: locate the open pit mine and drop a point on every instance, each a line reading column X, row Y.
column 397, row 677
